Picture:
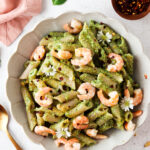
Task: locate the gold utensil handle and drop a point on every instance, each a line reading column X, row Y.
column 13, row 141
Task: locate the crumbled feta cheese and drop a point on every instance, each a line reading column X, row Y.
column 49, row 71
column 109, row 37
column 59, row 133
column 99, row 36
column 54, row 71
column 68, row 134
column 63, row 132
column 127, row 103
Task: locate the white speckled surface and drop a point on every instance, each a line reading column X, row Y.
column 140, row 28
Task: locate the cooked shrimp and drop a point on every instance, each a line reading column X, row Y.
column 113, row 100
column 86, row 90
column 61, row 54
column 126, row 93
column 43, row 131
column 60, row 141
column 137, row 113
column 118, row 65
column 38, row 53
column 100, row 137
column 138, row 96
column 42, row 98
column 80, row 122
column 72, row 144
column 66, row 142
column 129, row 126
column 86, row 55
column 93, row 133
column 73, row 140
column 75, row 26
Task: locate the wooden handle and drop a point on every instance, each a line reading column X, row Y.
column 13, row 141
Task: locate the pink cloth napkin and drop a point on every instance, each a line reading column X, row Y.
column 14, row 15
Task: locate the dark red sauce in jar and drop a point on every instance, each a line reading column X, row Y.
column 132, row 7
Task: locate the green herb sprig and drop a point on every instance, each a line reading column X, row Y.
column 58, row 2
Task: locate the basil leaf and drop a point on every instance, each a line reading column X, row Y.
column 58, row 2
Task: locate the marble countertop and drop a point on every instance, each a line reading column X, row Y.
column 141, row 28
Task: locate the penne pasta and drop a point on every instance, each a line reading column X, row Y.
column 83, row 82
column 97, row 112
column 79, row 109
column 64, row 97
column 68, row 105
column 28, row 100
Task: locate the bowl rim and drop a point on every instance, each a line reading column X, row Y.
column 53, row 18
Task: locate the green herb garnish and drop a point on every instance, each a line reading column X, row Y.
column 58, row 2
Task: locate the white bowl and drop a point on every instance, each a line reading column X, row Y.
column 31, row 40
